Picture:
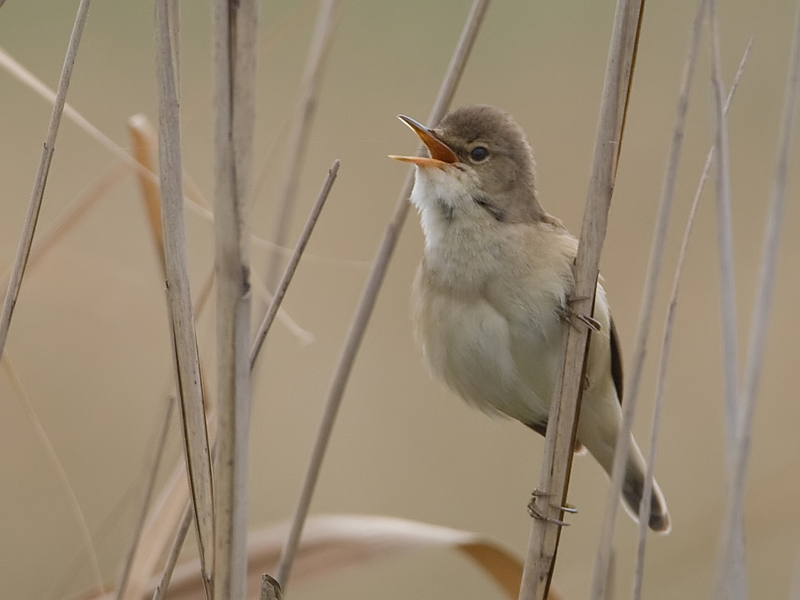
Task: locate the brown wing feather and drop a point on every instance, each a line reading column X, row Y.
column 616, row 360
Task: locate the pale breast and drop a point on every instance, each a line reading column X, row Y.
column 488, row 302
column 470, row 346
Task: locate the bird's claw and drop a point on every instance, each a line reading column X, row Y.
column 590, row 322
column 534, row 511
column 568, row 314
column 536, row 514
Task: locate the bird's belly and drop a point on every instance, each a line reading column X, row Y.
column 490, row 363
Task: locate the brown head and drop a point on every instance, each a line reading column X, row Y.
column 483, row 146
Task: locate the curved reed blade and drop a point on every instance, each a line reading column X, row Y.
column 334, row 542
column 189, row 382
column 143, row 140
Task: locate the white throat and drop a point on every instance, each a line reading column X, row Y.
column 461, row 240
column 439, row 196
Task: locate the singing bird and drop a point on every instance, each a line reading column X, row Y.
column 494, row 287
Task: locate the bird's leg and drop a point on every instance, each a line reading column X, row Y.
column 534, row 511
column 568, row 314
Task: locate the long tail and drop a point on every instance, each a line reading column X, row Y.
column 633, row 490
column 600, row 438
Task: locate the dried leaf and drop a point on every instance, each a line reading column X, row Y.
column 334, row 542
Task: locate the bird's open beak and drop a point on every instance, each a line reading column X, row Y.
column 441, row 154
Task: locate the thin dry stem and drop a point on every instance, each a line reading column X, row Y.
column 172, row 558
column 733, row 553
column 148, row 496
column 235, row 55
column 164, row 516
column 194, row 197
column 301, row 130
column 260, row 289
column 725, row 240
column 653, row 271
column 667, row 341
column 565, row 406
column 142, row 136
column 369, row 296
column 766, row 277
column 280, row 292
column 180, row 536
column 643, row 328
column 37, row 194
column 605, row 552
column 731, row 578
column 160, row 527
column 269, row 42
column 196, row 446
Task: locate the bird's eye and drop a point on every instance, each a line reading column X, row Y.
column 479, row 153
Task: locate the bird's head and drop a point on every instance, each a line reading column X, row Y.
column 478, row 156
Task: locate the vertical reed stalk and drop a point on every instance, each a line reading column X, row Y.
column 565, row 406
column 769, row 261
column 605, row 551
column 667, row 341
column 724, row 239
column 274, row 307
column 731, row 582
column 732, row 552
column 198, row 456
column 235, row 54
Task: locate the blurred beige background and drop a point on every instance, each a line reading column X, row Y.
column 89, row 338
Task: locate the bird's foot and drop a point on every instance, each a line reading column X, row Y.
column 570, row 315
column 534, row 511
